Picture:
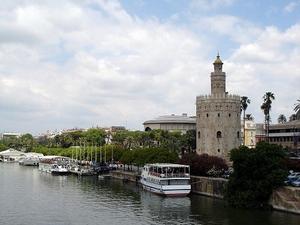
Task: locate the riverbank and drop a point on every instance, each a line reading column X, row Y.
column 285, row 199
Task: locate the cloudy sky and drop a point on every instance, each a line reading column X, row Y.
column 83, row 63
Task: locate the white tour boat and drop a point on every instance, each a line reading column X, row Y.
column 58, row 165
column 166, row 179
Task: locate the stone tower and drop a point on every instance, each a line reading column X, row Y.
column 218, row 117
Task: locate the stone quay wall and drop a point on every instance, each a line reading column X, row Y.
column 209, row 186
column 125, row 175
column 286, row 199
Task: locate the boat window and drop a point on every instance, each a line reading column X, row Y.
column 179, row 182
column 159, row 170
column 164, row 182
column 187, row 170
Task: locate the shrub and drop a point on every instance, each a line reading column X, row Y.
column 201, row 164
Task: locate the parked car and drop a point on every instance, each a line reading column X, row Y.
column 293, row 175
column 296, row 182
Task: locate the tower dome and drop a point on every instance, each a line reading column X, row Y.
column 218, row 60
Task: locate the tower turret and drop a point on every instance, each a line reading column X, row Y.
column 218, row 78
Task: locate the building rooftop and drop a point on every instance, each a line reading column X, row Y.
column 290, row 124
column 172, row 119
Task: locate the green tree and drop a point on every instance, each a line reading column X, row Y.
column 257, row 172
column 119, row 138
column 27, row 142
column 76, row 136
column 189, row 140
column 266, row 107
column 2, row 146
column 63, row 140
column 292, row 117
column 244, row 105
column 281, row 118
column 12, row 142
column 95, row 136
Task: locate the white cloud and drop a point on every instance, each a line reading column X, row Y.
column 269, row 63
column 290, row 7
column 85, row 66
column 240, row 31
column 83, row 63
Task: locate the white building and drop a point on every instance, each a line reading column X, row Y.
column 173, row 122
column 9, row 135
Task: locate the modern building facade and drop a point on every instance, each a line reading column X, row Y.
column 173, row 122
column 218, row 117
column 286, row 134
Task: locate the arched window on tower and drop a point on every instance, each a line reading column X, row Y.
column 238, row 134
column 219, row 134
column 198, row 134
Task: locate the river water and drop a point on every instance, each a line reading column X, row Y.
column 29, row 197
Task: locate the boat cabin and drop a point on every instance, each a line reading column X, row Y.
column 168, row 170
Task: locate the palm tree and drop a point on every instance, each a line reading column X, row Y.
column 244, row 105
column 292, row 117
column 281, row 118
column 249, row 117
column 266, row 107
column 297, row 109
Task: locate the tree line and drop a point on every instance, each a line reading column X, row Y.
column 135, row 147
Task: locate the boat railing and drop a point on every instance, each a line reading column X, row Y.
column 170, row 175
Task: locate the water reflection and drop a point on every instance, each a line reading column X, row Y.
column 28, row 196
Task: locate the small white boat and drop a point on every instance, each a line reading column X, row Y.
column 166, row 179
column 29, row 161
column 83, row 171
column 57, row 165
column 59, row 169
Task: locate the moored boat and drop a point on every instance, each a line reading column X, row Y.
column 29, row 161
column 57, row 165
column 166, row 179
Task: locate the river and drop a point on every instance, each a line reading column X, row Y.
column 29, row 197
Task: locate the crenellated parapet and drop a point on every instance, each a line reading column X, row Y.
column 218, row 103
column 218, row 96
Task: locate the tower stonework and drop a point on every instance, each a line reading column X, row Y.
column 218, row 117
